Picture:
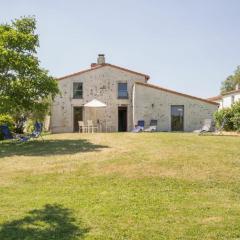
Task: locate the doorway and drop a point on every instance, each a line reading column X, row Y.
column 77, row 116
column 177, row 118
column 122, row 119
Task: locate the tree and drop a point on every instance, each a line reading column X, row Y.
column 24, row 85
column 230, row 83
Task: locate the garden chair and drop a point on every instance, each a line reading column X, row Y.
column 90, row 126
column 152, row 127
column 37, row 132
column 206, row 127
column 139, row 127
column 8, row 135
column 82, row 127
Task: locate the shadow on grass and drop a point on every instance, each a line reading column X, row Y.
column 48, row 147
column 52, row 222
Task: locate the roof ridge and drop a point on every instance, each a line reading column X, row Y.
column 233, row 91
column 214, row 98
column 175, row 92
column 79, row 72
column 223, row 94
column 128, row 70
column 103, row 65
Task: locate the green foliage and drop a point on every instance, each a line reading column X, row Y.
column 229, row 118
column 29, row 126
column 230, row 83
column 223, row 119
column 8, row 120
column 236, row 121
column 41, row 110
column 24, row 84
column 236, row 116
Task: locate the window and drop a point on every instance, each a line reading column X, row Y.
column 77, row 90
column 122, row 90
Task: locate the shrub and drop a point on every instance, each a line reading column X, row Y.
column 29, row 126
column 8, row 120
column 236, row 122
column 236, row 116
column 223, row 119
column 229, row 118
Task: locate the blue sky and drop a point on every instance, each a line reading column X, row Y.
column 186, row 45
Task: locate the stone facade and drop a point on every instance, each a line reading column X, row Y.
column 152, row 102
column 101, row 84
column 144, row 101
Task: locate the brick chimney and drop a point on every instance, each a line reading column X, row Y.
column 101, row 59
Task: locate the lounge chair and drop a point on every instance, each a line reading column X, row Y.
column 152, row 127
column 206, row 127
column 37, row 132
column 8, row 135
column 139, row 127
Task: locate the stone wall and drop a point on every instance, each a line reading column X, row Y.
column 101, row 84
column 152, row 103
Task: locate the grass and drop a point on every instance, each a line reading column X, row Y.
column 121, row 186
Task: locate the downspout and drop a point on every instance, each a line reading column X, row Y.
column 133, row 103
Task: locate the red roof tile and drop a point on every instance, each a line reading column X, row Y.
column 214, row 98
column 103, row 65
column 230, row 92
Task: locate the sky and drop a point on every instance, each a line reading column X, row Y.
column 186, row 45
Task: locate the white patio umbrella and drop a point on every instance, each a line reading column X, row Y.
column 95, row 104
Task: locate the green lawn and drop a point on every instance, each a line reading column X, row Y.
column 121, row 186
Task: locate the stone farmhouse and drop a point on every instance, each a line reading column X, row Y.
column 128, row 97
column 227, row 99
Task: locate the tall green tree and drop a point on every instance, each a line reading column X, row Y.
column 24, row 85
column 230, row 83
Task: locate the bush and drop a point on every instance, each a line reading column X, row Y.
column 8, row 120
column 229, row 118
column 236, row 116
column 223, row 119
column 29, row 126
column 236, row 122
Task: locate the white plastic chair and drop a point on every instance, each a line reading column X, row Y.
column 82, row 127
column 90, row 126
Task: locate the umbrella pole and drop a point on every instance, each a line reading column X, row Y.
column 95, row 115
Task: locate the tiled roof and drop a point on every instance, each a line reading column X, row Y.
column 215, row 98
column 103, row 65
column 223, row 94
column 231, row 92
